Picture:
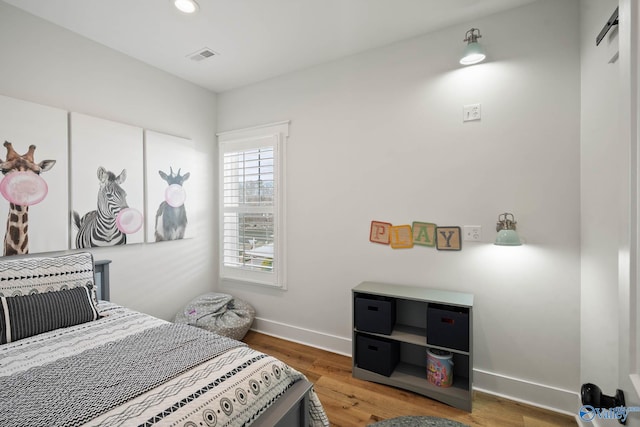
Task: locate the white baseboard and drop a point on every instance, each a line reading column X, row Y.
column 543, row 396
column 328, row 342
column 595, row 423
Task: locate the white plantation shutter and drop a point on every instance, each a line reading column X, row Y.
column 252, row 205
column 248, row 191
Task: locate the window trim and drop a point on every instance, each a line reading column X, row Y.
column 242, row 139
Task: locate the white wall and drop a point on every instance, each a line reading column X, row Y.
column 379, row 136
column 628, row 296
column 46, row 64
column 609, row 142
column 386, row 130
column 603, row 161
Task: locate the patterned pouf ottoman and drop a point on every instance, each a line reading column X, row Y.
column 219, row 313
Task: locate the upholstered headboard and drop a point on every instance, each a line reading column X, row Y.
column 33, row 275
column 41, row 294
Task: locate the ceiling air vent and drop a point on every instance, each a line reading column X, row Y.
column 202, row 54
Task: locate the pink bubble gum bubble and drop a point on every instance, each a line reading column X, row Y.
column 23, row 188
column 129, row 220
column 175, row 195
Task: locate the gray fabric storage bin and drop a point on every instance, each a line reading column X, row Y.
column 377, row 354
column 448, row 326
column 375, row 314
column 219, row 313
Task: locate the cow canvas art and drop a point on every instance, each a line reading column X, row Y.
column 171, row 217
column 174, row 207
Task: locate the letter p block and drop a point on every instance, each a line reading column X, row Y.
column 379, row 232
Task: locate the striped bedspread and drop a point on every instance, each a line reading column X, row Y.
column 128, row 369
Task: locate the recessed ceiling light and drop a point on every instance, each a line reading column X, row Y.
column 186, row 6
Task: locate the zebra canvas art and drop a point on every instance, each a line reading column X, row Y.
column 171, row 217
column 110, row 223
column 107, row 183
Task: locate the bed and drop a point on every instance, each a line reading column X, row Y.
column 68, row 359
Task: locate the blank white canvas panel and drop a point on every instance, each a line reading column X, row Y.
column 23, row 124
column 170, row 197
column 98, row 144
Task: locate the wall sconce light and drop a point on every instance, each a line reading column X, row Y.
column 186, row 6
column 506, row 228
column 473, row 53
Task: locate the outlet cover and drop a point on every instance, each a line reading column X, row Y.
column 472, row 233
column 471, row 112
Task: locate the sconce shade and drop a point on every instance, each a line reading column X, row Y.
column 186, row 6
column 473, row 52
column 506, row 228
column 508, row 238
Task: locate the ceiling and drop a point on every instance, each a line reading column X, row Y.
column 253, row 39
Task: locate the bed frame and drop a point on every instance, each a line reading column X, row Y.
column 291, row 409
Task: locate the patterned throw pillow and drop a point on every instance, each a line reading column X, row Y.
column 24, row 316
column 33, row 275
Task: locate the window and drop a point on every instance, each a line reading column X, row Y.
column 252, row 204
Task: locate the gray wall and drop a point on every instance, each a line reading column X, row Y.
column 46, row 64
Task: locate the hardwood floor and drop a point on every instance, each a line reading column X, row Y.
column 350, row 402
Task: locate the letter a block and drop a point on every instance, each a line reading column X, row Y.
column 401, row 237
column 424, row 233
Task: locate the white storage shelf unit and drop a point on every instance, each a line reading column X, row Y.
column 410, row 333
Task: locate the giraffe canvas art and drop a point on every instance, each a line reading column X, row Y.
column 22, row 186
column 38, row 197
